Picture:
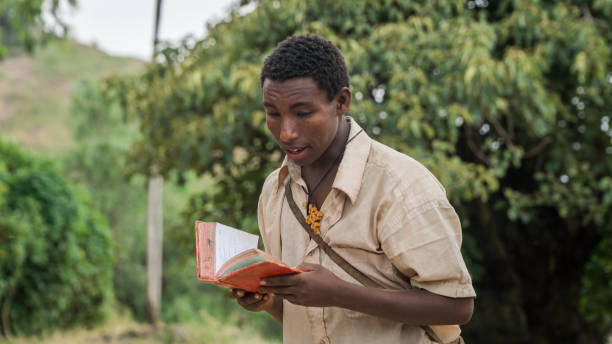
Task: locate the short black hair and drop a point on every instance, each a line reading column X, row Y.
column 308, row 55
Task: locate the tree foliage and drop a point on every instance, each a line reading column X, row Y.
column 55, row 252
column 507, row 102
column 22, row 23
column 97, row 162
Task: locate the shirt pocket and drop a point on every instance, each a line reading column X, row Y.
column 366, row 261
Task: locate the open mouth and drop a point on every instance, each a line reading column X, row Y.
column 295, row 150
column 296, row 153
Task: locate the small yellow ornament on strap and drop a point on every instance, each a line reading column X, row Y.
column 314, row 218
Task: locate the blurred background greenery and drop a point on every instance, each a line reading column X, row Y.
column 507, row 102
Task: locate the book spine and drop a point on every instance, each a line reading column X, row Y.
column 205, row 250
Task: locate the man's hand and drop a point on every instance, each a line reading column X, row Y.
column 315, row 287
column 253, row 302
column 319, row 287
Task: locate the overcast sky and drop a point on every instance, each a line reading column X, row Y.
column 125, row 27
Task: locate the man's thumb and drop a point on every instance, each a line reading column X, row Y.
column 308, row 267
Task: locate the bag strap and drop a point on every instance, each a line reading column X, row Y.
column 346, row 266
column 341, row 262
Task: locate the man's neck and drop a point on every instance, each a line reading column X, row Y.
column 321, row 165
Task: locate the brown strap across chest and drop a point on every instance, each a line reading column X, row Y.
column 341, row 262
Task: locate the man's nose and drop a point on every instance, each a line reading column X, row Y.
column 289, row 131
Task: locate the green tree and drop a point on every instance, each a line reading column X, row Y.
column 55, row 252
column 97, row 162
column 507, row 102
column 22, row 24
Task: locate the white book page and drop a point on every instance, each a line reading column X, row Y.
column 231, row 241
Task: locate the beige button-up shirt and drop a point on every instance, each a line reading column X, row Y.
column 389, row 217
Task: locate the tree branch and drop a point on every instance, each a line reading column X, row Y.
column 6, row 307
column 510, row 124
column 474, row 148
column 538, row 148
column 588, row 16
column 502, row 132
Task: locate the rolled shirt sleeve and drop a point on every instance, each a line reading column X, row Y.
column 424, row 244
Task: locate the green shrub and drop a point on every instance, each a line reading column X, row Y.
column 55, row 252
column 97, row 162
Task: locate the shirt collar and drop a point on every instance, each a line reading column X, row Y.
column 350, row 172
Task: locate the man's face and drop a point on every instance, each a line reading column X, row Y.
column 301, row 118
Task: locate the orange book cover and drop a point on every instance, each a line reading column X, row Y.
column 229, row 257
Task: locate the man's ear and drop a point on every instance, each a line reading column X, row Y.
column 343, row 101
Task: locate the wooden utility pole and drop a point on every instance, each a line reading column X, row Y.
column 156, row 29
column 155, row 218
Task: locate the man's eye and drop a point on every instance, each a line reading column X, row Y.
column 303, row 114
column 273, row 114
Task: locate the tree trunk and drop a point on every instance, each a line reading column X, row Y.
column 155, row 218
column 154, row 247
column 6, row 308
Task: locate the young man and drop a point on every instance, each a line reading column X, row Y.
column 382, row 211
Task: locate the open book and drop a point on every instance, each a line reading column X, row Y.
column 229, row 257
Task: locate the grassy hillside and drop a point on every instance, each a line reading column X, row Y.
column 35, row 92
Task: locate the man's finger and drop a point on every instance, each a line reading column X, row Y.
column 291, row 298
column 237, row 293
column 279, row 281
column 251, row 299
column 280, row 291
column 308, row 267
